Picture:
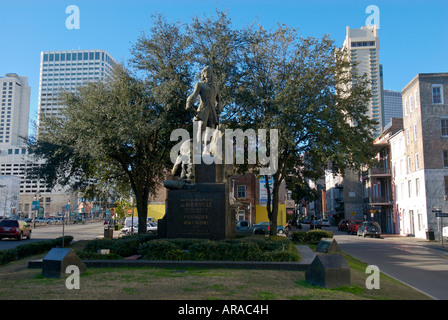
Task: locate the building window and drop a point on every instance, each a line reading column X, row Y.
column 415, row 132
column 437, row 94
column 410, row 103
column 416, row 162
column 417, row 187
column 409, row 188
column 444, row 126
column 415, row 99
column 241, row 191
column 241, row 215
column 407, row 136
column 409, row 164
column 445, row 158
column 405, row 107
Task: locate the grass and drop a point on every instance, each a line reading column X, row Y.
column 145, row 283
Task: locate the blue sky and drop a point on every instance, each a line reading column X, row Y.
column 413, row 34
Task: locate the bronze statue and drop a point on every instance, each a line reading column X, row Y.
column 207, row 114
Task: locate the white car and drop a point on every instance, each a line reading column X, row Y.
column 325, row 223
column 150, row 228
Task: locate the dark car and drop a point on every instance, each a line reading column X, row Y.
column 243, row 227
column 263, row 228
column 316, row 224
column 370, row 228
column 353, row 225
column 342, row 225
column 14, row 229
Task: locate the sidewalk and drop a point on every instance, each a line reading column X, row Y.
column 435, row 244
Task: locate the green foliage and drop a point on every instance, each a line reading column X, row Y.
column 122, row 247
column 310, row 237
column 271, row 249
column 161, row 250
column 29, row 249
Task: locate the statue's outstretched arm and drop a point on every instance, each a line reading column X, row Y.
column 192, row 99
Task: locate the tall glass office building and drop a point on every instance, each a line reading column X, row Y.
column 392, row 104
column 67, row 70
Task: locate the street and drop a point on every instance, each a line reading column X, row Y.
column 87, row 231
column 415, row 262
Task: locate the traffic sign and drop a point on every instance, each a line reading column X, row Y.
column 441, row 214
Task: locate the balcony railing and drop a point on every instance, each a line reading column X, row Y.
column 380, row 171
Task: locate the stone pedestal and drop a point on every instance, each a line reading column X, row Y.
column 327, row 245
column 328, row 271
column 55, row 263
column 200, row 209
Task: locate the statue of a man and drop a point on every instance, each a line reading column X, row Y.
column 207, row 114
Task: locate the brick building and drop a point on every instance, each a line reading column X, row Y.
column 421, row 167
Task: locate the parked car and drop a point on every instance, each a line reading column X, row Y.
column 15, row 229
column 243, row 227
column 150, row 228
column 353, row 225
column 315, row 224
column 369, row 228
column 263, row 228
column 342, row 225
column 41, row 220
column 306, row 221
column 325, row 223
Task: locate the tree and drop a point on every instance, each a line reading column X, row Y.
column 118, row 133
column 305, row 88
column 114, row 133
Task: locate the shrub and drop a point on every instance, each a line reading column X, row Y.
column 124, row 247
column 310, row 237
column 161, row 250
column 271, row 249
column 29, row 249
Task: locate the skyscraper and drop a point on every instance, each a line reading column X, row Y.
column 15, row 108
column 67, row 70
column 392, row 105
column 363, row 46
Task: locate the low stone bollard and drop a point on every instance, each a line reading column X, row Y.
column 328, row 271
column 55, row 263
column 327, row 245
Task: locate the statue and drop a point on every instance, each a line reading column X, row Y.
column 207, row 114
column 206, row 120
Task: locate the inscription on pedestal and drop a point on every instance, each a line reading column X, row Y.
column 198, row 213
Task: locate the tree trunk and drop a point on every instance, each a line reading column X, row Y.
column 142, row 210
column 272, row 208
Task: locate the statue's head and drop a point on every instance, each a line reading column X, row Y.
column 207, row 74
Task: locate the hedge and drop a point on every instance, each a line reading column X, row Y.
column 310, row 237
column 29, row 249
column 121, row 247
column 269, row 249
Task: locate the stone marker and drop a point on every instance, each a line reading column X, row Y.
column 327, row 245
column 328, row 271
column 57, row 260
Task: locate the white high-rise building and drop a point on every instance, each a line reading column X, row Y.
column 59, row 70
column 363, row 46
column 67, row 70
column 15, row 108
